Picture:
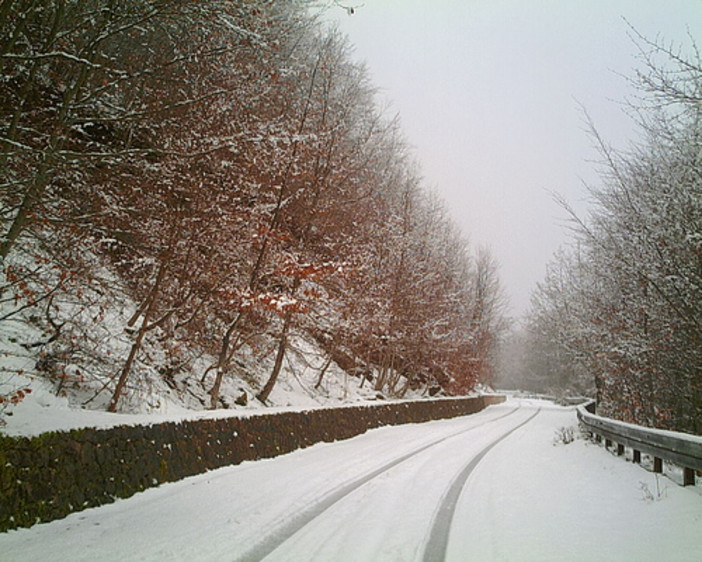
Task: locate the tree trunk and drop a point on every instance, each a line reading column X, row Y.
column 263, row 395
column 404, row 389
column 222, row 361
column 22, row 218
column 382, row 374
column 42, row 178
column 324, row 370
column 124, row 375
column 146, row 325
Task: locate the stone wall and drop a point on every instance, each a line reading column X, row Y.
column 51, row 475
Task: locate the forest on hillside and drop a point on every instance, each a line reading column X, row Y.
column 619, row 313
column 226, row 167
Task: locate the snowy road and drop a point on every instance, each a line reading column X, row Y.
column 491, row 486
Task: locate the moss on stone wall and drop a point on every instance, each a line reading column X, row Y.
column 51, row 475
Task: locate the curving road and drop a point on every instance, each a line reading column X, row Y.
column 490, row 486
column 401, row 510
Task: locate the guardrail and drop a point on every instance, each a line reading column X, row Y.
column 680, row 448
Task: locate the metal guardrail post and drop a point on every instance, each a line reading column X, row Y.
column 680, row 448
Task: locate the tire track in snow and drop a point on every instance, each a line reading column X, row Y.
column 435, row 549
column 299, row 520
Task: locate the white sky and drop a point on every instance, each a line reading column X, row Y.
column 488, row 92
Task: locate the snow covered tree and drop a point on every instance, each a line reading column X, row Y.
column 626, row 303
column 228, row 163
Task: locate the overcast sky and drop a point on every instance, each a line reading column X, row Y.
column 489, row 95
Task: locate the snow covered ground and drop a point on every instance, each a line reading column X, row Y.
column 67, row 382
column 376, row 496
column 43, row 411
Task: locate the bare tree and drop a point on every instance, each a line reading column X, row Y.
column 625, row 303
